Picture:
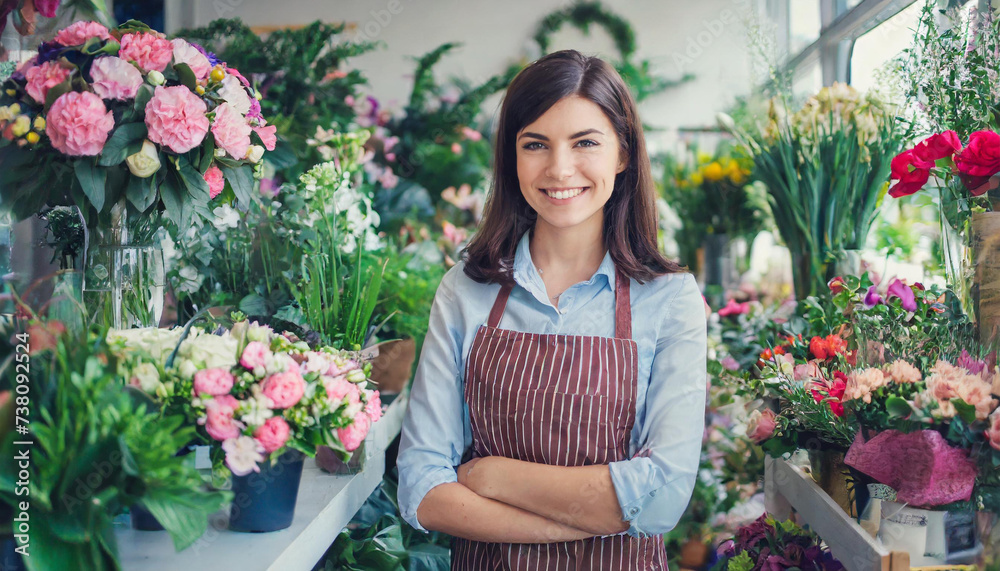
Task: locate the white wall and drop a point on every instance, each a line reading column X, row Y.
column 706, row 38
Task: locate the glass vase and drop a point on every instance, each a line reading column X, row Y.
column 123, row 276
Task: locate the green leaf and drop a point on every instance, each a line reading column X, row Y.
column 173, row 201
column 241, row 179
column 186, row 76
column 898, row 407
column 92, row 179
column 965, row 411
column 741, row 562
column 58, row 91
column 138, row 109
column 116, row 149
column 183, row 512
column 253, row 304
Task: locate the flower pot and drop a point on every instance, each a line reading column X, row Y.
column 10, row 560
column 985, row 289
column 330, row 461
column 142, row 520
column 694, row 553
column 834, row 477
column 932, row 537
column 392, row 363
column 717, row 263
column 265, row 501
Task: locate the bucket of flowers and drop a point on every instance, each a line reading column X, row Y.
column 261, row 400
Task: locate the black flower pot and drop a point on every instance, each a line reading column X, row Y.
column 265, row 501
column 10, row 560
column 143, row 520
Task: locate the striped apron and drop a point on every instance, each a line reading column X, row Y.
column 565, row 400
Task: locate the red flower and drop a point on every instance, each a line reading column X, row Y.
column 979, row 161
column 938, row 146
column 827, row 348
column 836, row 285
column 910, row 181
column 834, row 391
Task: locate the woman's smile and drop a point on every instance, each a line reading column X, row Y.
column 564, row 195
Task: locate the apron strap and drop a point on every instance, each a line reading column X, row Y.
column 623, row 306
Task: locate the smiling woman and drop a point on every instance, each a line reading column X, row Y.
column 570, row 436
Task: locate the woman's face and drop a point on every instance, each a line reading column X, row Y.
column 566, row 163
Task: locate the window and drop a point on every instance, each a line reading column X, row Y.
column 879, row 46
column 804, row 24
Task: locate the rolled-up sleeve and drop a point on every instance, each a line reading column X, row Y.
column 654, row 486
column 433, row 439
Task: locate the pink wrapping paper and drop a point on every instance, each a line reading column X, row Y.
column 921, row 466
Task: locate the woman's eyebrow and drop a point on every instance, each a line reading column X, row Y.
column 573, row 136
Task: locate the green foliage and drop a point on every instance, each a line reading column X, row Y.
column 409, row 293
column 97, row 447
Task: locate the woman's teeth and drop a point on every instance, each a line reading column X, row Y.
column 563, row 194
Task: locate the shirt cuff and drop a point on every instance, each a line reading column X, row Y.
column 409, row 505
column 637, row 482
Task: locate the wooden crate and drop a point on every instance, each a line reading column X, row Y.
column 787, row 487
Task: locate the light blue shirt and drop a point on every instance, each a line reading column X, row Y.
column 669, row 326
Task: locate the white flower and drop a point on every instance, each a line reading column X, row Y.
column 257, row 407
column 190, row 279
column 153, row 342
column 315, row 363
column 187, row 369
column 225, row 217
column 145, row 162
column 210, row 351
column 147, row 377
column 258, row 332
column 242, row 455
column 373, row 242
column 235, row 94
column 255, row 153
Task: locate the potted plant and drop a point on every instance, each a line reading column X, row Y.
column 776, row 545
column 96, row 447
column 127, row 126
column 261, row 400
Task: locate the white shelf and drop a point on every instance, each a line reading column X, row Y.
column 326, row 503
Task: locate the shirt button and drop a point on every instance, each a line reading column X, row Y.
column 653, row 493
column 633, row 511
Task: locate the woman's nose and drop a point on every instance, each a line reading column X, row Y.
column 561, row 165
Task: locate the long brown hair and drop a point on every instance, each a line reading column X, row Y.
column 629, row 215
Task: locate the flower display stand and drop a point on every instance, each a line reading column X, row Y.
column 787, row 487
column 326, row 503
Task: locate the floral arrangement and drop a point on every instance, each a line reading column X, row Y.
column 251, row 392
column 825, row 167
column 770, row 545
column 101, row 116
column 711, row 195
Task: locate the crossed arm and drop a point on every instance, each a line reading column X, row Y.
column 499, row 499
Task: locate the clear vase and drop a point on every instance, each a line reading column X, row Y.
column 123, row 277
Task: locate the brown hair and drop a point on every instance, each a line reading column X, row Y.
column 630, row 229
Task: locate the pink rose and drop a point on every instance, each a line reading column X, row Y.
column 150, row 51
column 339, row 387
column 115, row 78
column 273, row 434
column 218, row 421
column 213, row 382
column 354, row 435
column 176, row 118
column 267, row 136
column 216, row 182
column 231, row 131
column 348, row 365
column 78, row 33
column 188, row 54
column 78, row 124
column 374, row 407
column 761, row 425
column 42, row 78
column 284, row 389
column 255, row 355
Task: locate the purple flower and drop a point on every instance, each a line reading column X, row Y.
column 974, row 366
column 905, row 294
column 872, row 298
column 49, row 51
column 254, row 112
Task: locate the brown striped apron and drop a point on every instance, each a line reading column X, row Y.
column 564, row 400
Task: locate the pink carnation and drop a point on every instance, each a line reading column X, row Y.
column 216, row 182
column 231, row 131
column 339, row 387
column 267, row 136
column 255, row 355
column 273, row 434
column 78, row 124
column 176, row 118
column 42, row 78
column 115, row 78
column 213, row 382
column 148, row 50
column 78, row 33
column 188, row 54
column 284, row 389
column 374, row 407
column 354, row 435
column 218, row 421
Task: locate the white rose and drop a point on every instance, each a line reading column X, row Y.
column 148, row 377
column 187, row 369
column 235, row 94
column 210, row 351
column 145, row 162
column 255, row 153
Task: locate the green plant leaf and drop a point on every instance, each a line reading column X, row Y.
column 58, row 91
column 116, row 149
column 898, row 407
column 183, row 512
column 92, row 180
column 965, row 411
column 186, row 76
column 141, row 192
column 241, row 179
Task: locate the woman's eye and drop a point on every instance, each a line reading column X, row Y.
column 532, row 146
column 588, row 143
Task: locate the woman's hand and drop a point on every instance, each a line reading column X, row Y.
column 480, row 474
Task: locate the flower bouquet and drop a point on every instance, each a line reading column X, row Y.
column 825, row 167
column 770, row 545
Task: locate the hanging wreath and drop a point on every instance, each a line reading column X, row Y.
column 584, row 14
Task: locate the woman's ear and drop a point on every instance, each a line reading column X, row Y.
column 622, row 164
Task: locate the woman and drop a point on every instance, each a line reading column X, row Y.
column 563, row 372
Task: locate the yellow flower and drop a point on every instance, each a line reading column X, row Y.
column 713, row 171
column 704, row 158
column 21, row 126
column 696, row 178
column 39, row 123
column 32, row 138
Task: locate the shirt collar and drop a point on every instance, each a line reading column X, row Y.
column 525, row 272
